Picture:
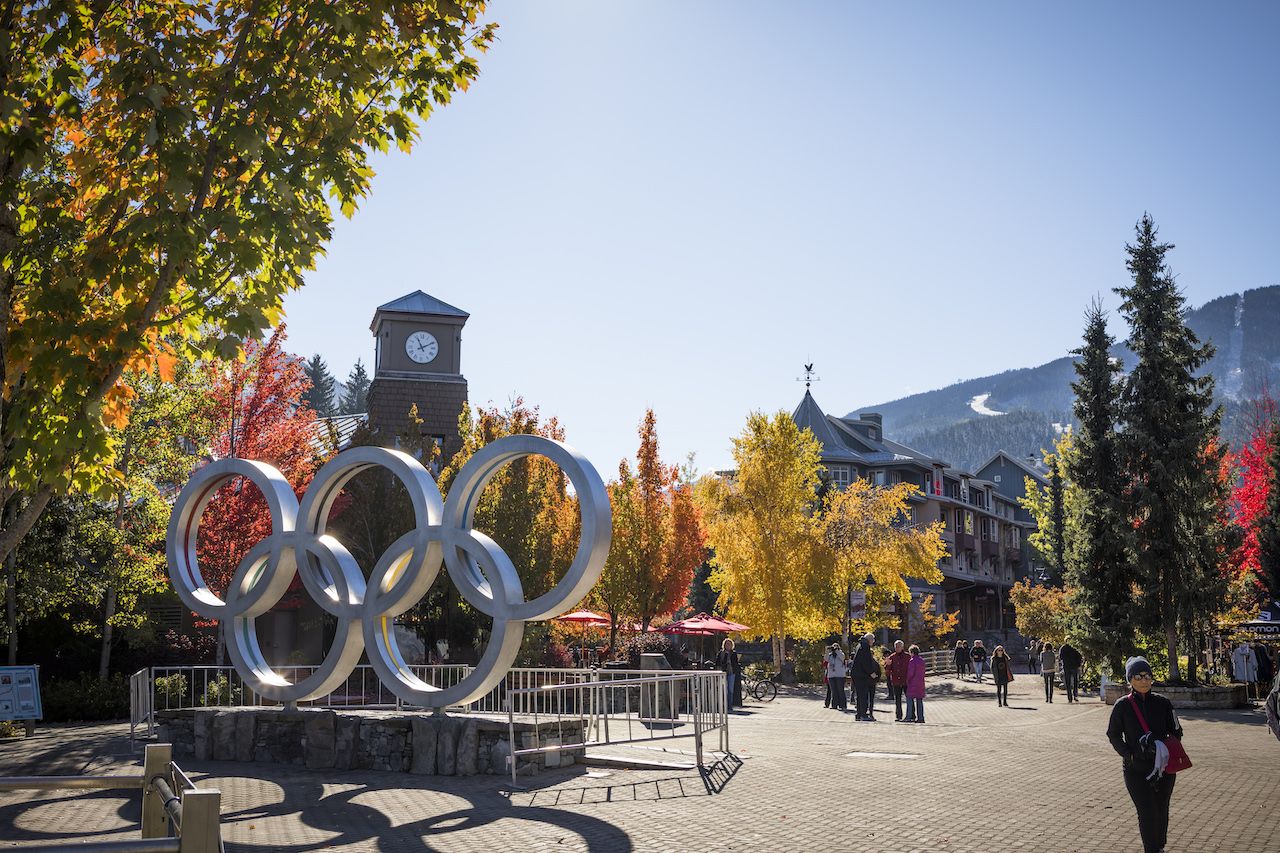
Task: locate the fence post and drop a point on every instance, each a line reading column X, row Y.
column 155, row 763
column 199, row 832
column 697, row 725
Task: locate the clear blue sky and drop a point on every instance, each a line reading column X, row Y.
column 676, row 205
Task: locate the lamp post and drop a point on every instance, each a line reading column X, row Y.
column 231, row 378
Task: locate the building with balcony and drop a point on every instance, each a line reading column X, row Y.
column 983, row 525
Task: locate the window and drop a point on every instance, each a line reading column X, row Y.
column 877, row 477
column 968, row 522
column 960, row 521
column 839, row 475
column 996, row 478
column 945, row 518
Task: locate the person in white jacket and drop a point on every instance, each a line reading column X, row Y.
column 835, row 664
column 1244, row 664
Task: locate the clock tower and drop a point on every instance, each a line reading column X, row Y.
column 418, row 341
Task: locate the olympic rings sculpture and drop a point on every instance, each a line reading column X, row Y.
column 299, row 546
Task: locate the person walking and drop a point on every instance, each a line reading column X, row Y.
column 962, row 658
column 866, row 671
column 895, row 666
column 1033, row 656
column 1048, row 669
column 979, row 657
column 1069, row 661
column 915, row 686
column 728, row 663
column 1001, row 674
column 1140, row 725
column 835, row 676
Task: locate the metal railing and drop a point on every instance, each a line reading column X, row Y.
column 177, row 817
column 939, row 661
column 165, row 688
column 619, row 707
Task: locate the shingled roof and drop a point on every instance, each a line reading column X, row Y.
column 422, row 303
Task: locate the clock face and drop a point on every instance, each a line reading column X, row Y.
column 422, row 347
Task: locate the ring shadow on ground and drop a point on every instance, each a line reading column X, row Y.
column 129, row 811
column 338, row 814
column 713, row 779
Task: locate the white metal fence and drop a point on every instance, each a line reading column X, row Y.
column 163, row 688
column 616, row 708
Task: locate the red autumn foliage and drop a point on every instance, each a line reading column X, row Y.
column 272, row 425
column 672, row 539
column 1249, row 496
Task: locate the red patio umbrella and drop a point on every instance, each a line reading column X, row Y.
column 706, row 622
column 586, row 619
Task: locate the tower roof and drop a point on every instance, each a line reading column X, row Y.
column 422, row 303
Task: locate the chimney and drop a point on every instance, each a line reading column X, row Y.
column 874, row 417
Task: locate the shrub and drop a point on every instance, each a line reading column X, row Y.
column 633, row 646
column 170, row 691
column 85, row 698
column 557, row 656
column 220, row 692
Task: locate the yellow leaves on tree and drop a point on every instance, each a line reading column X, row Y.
column 785, row 562
column 868, row 531
column 1041, row 611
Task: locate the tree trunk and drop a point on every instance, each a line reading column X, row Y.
column 1193, row 652
column 848, row 614
column 1171, row 639
column 11, row 588
column 11, row 604
column 108, row 610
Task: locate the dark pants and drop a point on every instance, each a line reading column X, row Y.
column 1048, row 686
column 1151, row 799
column 1071, row 682
column 1002, row 693
column 896, row 692
column 1032, row 663
column 826, row 703
column 864, row 696
column 837, row 693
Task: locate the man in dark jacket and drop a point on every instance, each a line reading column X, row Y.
column 896, row 666
column 865, row 672
column 1069, row 661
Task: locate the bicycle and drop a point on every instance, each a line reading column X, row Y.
column 763, row 689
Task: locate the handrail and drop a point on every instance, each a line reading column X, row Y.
column 51, row 783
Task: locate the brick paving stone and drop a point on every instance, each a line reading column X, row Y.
column 1032, row 777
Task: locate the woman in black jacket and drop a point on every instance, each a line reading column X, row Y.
column 1149, row 787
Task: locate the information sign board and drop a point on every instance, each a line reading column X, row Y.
column 20, row 693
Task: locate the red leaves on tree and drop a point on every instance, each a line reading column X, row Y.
column 271, row 425
column 1254, row 484
column 671, row 538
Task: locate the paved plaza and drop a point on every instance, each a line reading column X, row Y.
column 975, row 778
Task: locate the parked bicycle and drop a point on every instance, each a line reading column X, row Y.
column 764, row 689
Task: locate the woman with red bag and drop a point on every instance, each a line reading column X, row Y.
column 1144, row 730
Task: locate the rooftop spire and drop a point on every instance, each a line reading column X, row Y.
column 808, row 377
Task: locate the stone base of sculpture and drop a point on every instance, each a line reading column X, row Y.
column 407, row 742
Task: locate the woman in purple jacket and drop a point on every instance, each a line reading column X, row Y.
column 915, row 687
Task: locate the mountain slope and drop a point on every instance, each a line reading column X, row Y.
column 1021, row 410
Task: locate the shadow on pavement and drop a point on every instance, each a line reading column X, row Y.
column 129, row 811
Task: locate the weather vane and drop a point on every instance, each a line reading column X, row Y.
column 808, row 377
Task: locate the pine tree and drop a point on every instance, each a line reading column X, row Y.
column 1268, row 529
column 1099, row 565
column 355, row 397
column 1169, row 441
column 319, row 397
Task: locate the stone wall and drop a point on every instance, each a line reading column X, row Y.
column 1207, row 698
column 426, row 744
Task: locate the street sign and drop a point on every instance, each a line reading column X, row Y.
column 20, row 693
column 858, row 605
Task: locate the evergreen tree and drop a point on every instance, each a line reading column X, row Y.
column 355, row 397
column 319, row 396
column 1169, row 447
column 702, row 598
column 1099, row 565
column 1269, row 523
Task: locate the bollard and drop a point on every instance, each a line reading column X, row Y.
column 200, row 832
column 155, row 763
